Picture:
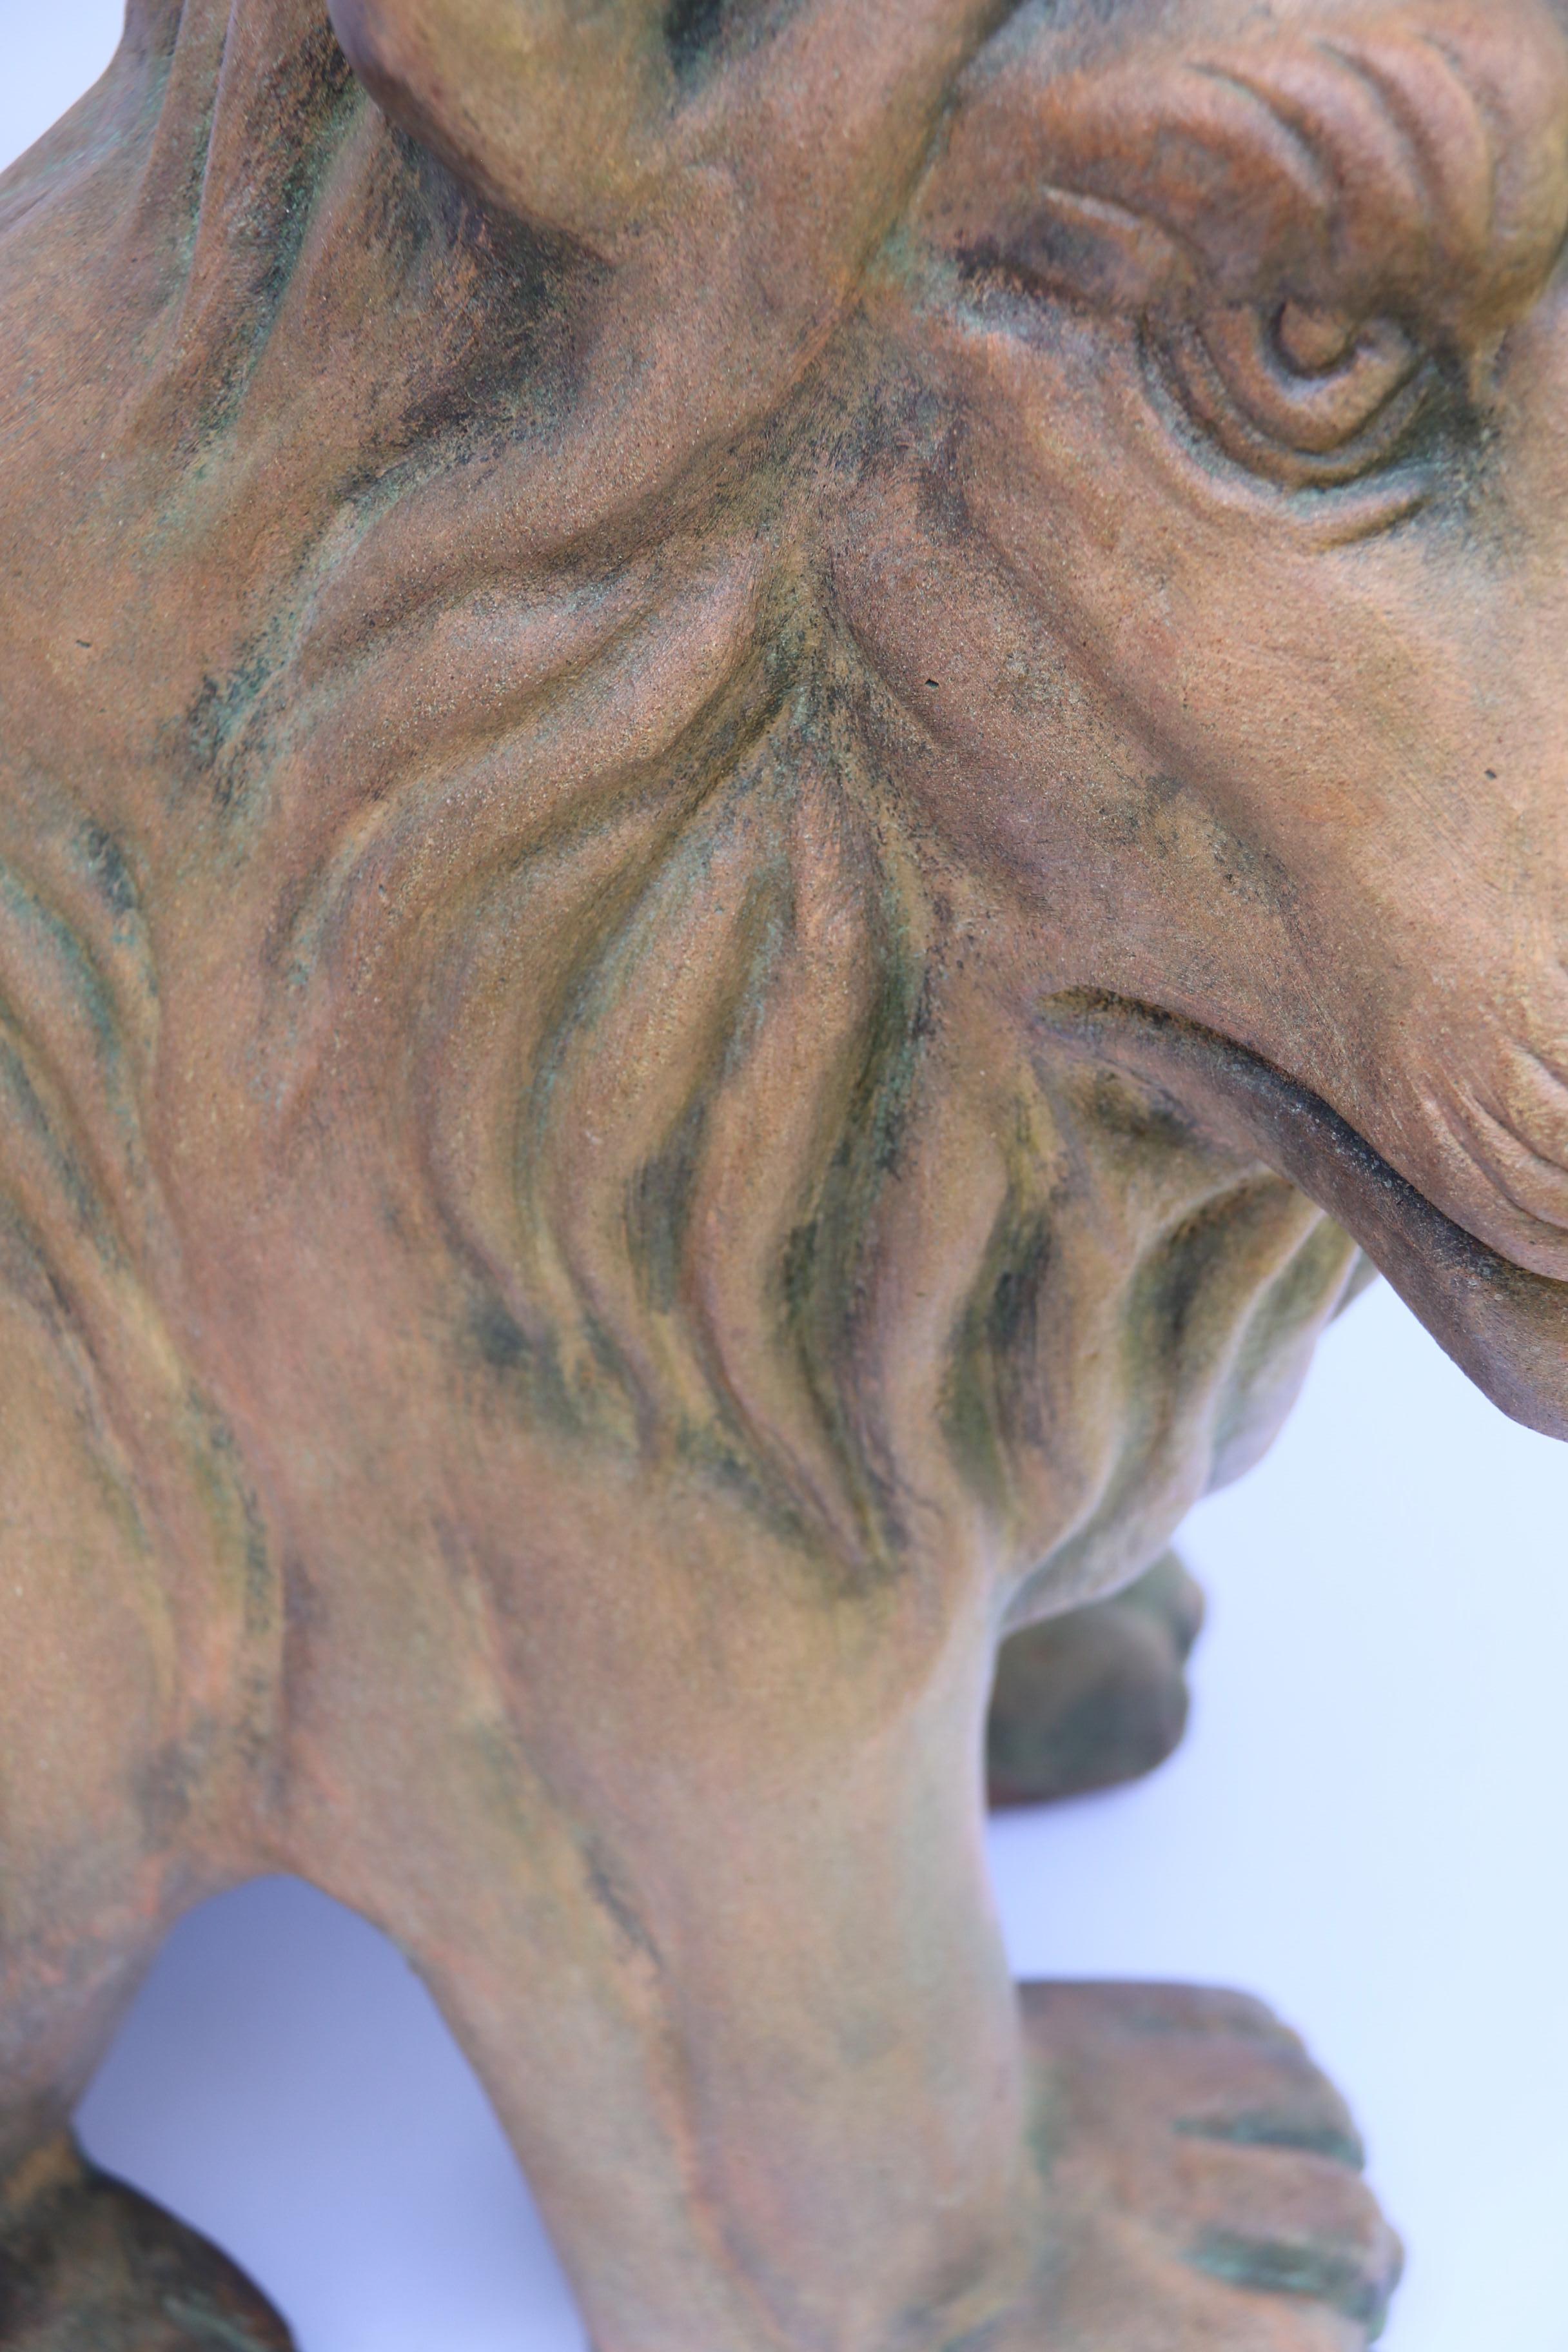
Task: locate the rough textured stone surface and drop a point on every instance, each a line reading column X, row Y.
column 764, row 767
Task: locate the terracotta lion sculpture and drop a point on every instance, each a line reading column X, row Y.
column 769, row 767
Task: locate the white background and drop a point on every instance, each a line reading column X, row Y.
column 1366, row 1826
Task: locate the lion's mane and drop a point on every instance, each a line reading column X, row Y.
column 733, row 1152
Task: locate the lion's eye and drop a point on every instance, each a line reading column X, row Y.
column 1296, row 392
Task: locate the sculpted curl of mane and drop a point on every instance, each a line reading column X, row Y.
column 968, row 1283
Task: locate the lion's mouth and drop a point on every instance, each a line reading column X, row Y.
column 1504, row 1326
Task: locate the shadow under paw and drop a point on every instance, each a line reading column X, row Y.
column 88, row 2264
column 1097, row 1697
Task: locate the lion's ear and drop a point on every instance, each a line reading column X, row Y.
column 1351, row 164
column 599, row 119
column 547, row 109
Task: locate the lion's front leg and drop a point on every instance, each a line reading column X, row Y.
column 729, row 1969
column 708, row 1909
column 133, row 1708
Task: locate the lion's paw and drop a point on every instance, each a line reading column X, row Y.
column 1096, row 1697
column 86, row 2261
column 1201, row 2178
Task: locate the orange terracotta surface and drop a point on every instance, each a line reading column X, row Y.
column 771, row 771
